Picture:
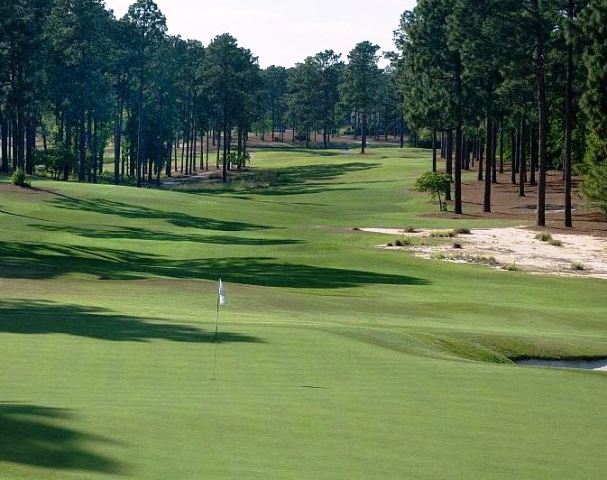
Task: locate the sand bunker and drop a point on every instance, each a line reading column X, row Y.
column 514, row 248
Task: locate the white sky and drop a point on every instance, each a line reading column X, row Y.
column 283, row 32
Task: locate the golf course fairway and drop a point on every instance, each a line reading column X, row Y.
column 337, row 359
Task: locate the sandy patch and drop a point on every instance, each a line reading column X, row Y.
column 515, row 246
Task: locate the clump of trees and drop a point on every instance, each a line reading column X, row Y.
column 496, row 81
column 523, row 79
column 77, row 79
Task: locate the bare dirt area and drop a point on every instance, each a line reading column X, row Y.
column 9, row 187
column 516, row 248
column 506, row 204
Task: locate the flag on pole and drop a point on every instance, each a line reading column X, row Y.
column 222, row 293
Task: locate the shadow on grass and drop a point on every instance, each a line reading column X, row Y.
column 25, row 260
column 43, row 318
column 298, row 180
column 179, row 219
column 37, row 436
column 135, row 233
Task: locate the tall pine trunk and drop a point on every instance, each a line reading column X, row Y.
column 449, row 160
column 458, row 169
column 523, row 159
column 364, row 133
column 488, row 164
column 540, row 74
column 434, row 149
column 502, row 145
column 118, row 142
column 4, row 139
column 569, row 119
column 513, row 148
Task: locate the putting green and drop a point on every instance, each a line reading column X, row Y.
column 337, row 359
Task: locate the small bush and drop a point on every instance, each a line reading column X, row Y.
column 457, row 246
column 543, row 237
column 578, row 267
column 404, row 242
column 449, row 234
column 410, row 230
column 463, row 231
column 555, row 243
column 20, row 179
column 390, row 244
column 356, row 229
column 491, row 261
column 511, row 267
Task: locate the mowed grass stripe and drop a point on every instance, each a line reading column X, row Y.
column 337, row 359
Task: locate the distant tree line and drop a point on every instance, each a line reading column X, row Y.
column 504, row 80
column 75, row 80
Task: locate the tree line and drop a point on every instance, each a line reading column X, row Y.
column 504, row 81
column 493, row 83
column 76, row 80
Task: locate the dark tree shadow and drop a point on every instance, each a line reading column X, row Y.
column 298, row 180
column 41, row 318
column 24, row 260
column 179, row 219
column 37, row 436
column 135, row 233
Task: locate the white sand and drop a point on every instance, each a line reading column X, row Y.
column 518, row 246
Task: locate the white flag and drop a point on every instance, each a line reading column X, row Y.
column 222, row 293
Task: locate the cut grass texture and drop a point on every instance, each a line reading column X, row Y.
column 336, row 359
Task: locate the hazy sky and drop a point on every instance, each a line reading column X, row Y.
column 283, row 32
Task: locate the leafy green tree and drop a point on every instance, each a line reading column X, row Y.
column 304, row 97
column 593, row 20
column 276, row 79
column 330, row 71
column 436, row 184
column 232, row 75
column 149, row 31
column 360, row 81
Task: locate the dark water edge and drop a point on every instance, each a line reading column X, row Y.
column 596, row 364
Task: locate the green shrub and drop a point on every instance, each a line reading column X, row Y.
column 410, row 230
column 20, row 179
column 511, row 267
column 445, row 234
column 594, row 171
column 578, row 267
column 555, row 243
column 463, row 231
column 543, row 237
column 457, row 246
column 404, row 242
column 436, row 184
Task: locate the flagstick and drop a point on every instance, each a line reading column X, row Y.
column 216, row 340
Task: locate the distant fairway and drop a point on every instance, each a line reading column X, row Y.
column 337, row 360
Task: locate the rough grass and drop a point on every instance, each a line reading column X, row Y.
column 337, row 359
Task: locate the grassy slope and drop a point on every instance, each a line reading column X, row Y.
column 107, row 308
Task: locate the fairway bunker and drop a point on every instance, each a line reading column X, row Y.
column 510, row 248
column 599, row 364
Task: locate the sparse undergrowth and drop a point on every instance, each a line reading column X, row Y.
column 444, row 234
column 476, row 259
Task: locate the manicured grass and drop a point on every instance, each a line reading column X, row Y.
column 337, row 359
